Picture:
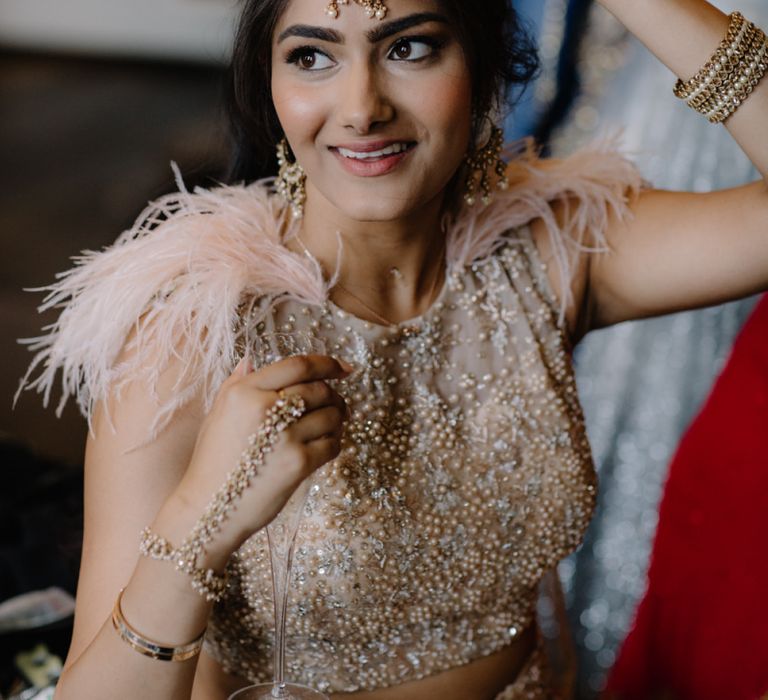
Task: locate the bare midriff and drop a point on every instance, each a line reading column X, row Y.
column 481, row 679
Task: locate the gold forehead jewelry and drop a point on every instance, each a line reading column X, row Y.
column 373, row 8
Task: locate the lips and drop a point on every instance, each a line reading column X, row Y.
column 393, row 149
column 374, row 158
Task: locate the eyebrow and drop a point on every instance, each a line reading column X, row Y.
column 308, row 32
column 383, row 31
column 388, row 29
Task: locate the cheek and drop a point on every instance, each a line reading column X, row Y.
column 445, row 105
column 301, row 110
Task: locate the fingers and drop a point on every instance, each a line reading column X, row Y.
column 242, row 369
column 297, row 370
column 317, row 424
column 323, row 450
column 240, row 398
column 317, row 395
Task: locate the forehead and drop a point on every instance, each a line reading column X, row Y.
column 352, row 17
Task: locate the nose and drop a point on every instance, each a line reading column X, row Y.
column 364, row 104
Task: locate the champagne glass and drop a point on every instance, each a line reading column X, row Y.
column 281, row 535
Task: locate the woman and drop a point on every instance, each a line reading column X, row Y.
column 452, row 466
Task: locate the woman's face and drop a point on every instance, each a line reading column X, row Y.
column 378, row 113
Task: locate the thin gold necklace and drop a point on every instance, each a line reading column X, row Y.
column 359, row 300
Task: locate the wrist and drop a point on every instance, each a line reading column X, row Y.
column 160, row 603
column 178, row 517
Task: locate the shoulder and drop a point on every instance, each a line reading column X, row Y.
column 232, row 228
column 563, row 206
column 168, row 289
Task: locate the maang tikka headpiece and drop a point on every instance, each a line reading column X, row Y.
column 373, row 8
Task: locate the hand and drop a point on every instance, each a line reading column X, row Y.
column 238, row 410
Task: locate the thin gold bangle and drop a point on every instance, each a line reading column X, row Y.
column 147, row 647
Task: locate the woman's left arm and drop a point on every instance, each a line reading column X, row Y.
column 683, row 250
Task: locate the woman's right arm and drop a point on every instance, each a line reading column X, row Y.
column 167, row 484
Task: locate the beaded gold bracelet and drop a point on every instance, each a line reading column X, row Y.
column 754, row 70
column 210, row 584
column 732, row 73
column 711, row 91
column 207, row 582
column 716, row 70
column 146, row 647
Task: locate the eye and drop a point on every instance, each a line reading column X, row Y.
column 309, row 59
column 412, row 50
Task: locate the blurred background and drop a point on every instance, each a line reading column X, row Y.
column 97, row 97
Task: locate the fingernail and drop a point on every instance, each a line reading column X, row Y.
column 345, row 365
column 243, row 367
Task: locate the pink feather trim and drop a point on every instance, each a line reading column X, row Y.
column 173, row 282
column 590, row 185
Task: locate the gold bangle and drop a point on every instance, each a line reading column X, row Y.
column 727, row 75
column 730, row 76
column 751, row 73
column 728, row 47
column 147, row 647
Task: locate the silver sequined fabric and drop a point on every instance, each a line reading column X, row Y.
column 465, row 476
column 641, row 383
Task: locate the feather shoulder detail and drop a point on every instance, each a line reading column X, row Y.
column 590, row 185
column 170, row 288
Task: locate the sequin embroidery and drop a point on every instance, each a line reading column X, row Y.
column 465, row 476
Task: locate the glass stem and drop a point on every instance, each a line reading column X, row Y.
column 281, row 571
column 281, row 537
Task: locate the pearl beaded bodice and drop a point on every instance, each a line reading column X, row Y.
column 465, row 476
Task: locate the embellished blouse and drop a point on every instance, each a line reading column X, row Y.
column 465, row 473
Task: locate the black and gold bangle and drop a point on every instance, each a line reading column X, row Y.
column 147, row 647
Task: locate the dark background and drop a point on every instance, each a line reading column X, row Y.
column 85, row 143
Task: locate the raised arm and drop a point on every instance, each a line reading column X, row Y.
column 683, row 34
column 685, row 250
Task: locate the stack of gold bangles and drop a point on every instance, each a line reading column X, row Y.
column 730, row 75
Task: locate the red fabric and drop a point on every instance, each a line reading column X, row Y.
column 701, row 631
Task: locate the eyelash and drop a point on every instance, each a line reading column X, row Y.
column 434, row 43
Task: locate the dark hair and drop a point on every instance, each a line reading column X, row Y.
column 500, row 52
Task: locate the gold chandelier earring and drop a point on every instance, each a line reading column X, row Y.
column 291, row 180
column 486, row 168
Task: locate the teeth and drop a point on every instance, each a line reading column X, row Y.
column 388, row 151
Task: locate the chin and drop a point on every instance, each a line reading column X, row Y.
column 378, row 200
column 378, row 203
column 364, row 209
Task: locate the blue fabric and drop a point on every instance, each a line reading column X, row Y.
column 524, row 116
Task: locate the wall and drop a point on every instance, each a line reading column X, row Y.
column 197, row 30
